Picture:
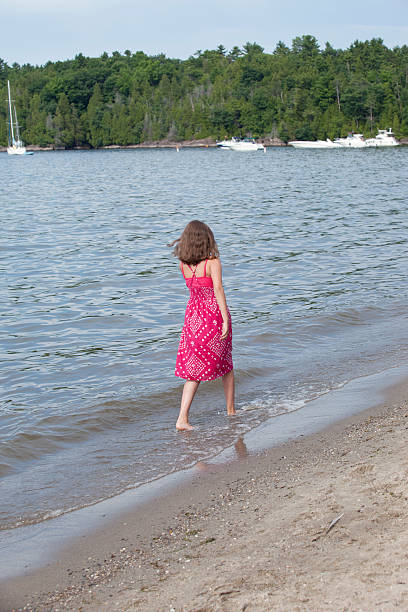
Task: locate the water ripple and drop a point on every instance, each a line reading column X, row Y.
column 314, row 254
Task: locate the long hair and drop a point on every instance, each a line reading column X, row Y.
column 196, row 243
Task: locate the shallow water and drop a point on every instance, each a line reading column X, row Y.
column 314, row 249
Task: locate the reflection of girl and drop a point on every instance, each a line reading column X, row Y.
column 206, row 339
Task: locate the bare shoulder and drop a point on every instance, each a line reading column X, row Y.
column 215, row 271
column 216, row 262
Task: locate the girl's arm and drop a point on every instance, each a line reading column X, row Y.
column 216, row 275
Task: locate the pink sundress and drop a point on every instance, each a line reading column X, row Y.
column 202, row 355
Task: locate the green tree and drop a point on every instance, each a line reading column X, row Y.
column 96, row 119
column 64, row 123
column 36, row 131
column 132, row 97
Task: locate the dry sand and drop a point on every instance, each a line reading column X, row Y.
column 317, row 524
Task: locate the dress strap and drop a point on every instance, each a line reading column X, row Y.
column 182, row 269
column 205, row 267
column 193, row 271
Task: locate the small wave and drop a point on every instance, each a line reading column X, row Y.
column 288, row 406
column 55, row 432
column 272, row 407
column 39, row 517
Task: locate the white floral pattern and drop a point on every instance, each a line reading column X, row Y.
column 202, row 355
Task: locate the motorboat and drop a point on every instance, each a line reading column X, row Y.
column 238, row 144
column 248, row 144
column 354, row 141
column 225, row 144
column 15, row 144
column 314, row 144
column 384, row 138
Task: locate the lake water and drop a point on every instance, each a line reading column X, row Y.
column 314, row 251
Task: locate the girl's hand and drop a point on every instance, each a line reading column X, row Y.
column 224, row 330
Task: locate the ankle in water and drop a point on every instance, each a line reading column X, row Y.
column 184, row 426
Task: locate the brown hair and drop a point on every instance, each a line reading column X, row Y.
column 196, row 243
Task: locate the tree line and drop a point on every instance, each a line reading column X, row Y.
column 298, row 92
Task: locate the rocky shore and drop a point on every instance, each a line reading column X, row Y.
column 157, row 144
column 167, row 144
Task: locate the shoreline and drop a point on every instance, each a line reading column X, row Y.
column 157, row 144
column 204, row 143
column 137, row 559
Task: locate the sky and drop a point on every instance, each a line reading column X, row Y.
column 36, row 31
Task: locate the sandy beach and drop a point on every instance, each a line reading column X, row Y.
column 318, row 523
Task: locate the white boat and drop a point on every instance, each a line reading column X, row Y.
column 314, row 144
column 237, row 144
column 248, row 144
column 225, row 144
column 384, row 138
column 353, row 141
column 15, row 144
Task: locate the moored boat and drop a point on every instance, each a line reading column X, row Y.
column 248, row 144
column 384, row 138
column 354, row 141
column 313, row 144
column 225, row 144
column 15, row 144
column 238, row 144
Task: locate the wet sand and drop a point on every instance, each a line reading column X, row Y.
column 318, row 523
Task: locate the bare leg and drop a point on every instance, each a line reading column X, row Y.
column 189, row 391
column 229, row 391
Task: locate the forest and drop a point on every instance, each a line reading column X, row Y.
column 298, row 92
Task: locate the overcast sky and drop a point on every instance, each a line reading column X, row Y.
column 36, row 31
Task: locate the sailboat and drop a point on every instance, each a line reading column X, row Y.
column 15, row 144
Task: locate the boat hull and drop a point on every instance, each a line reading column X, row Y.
column 18, row 151
column 385, row 144
column 246, row 146
column 313, row 144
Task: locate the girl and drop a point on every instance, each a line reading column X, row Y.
column 206, row 339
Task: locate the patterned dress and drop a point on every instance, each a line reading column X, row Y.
column 202, row 355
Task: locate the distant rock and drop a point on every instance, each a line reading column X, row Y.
column 273, row 142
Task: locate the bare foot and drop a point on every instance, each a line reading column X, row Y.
column 184, row 426
column 231, row 412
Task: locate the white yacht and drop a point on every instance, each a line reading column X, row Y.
column 314, row 144
column 384, row 138
column 15, row 144
column 354, row 141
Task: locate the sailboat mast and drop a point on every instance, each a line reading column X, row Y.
column 11, row 114
column 16, row 123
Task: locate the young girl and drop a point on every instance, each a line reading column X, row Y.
column 206, row 339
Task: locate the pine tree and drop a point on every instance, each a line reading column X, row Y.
column 95, row 116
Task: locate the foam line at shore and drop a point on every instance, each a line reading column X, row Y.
column 27, row 548
column 351, row 398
